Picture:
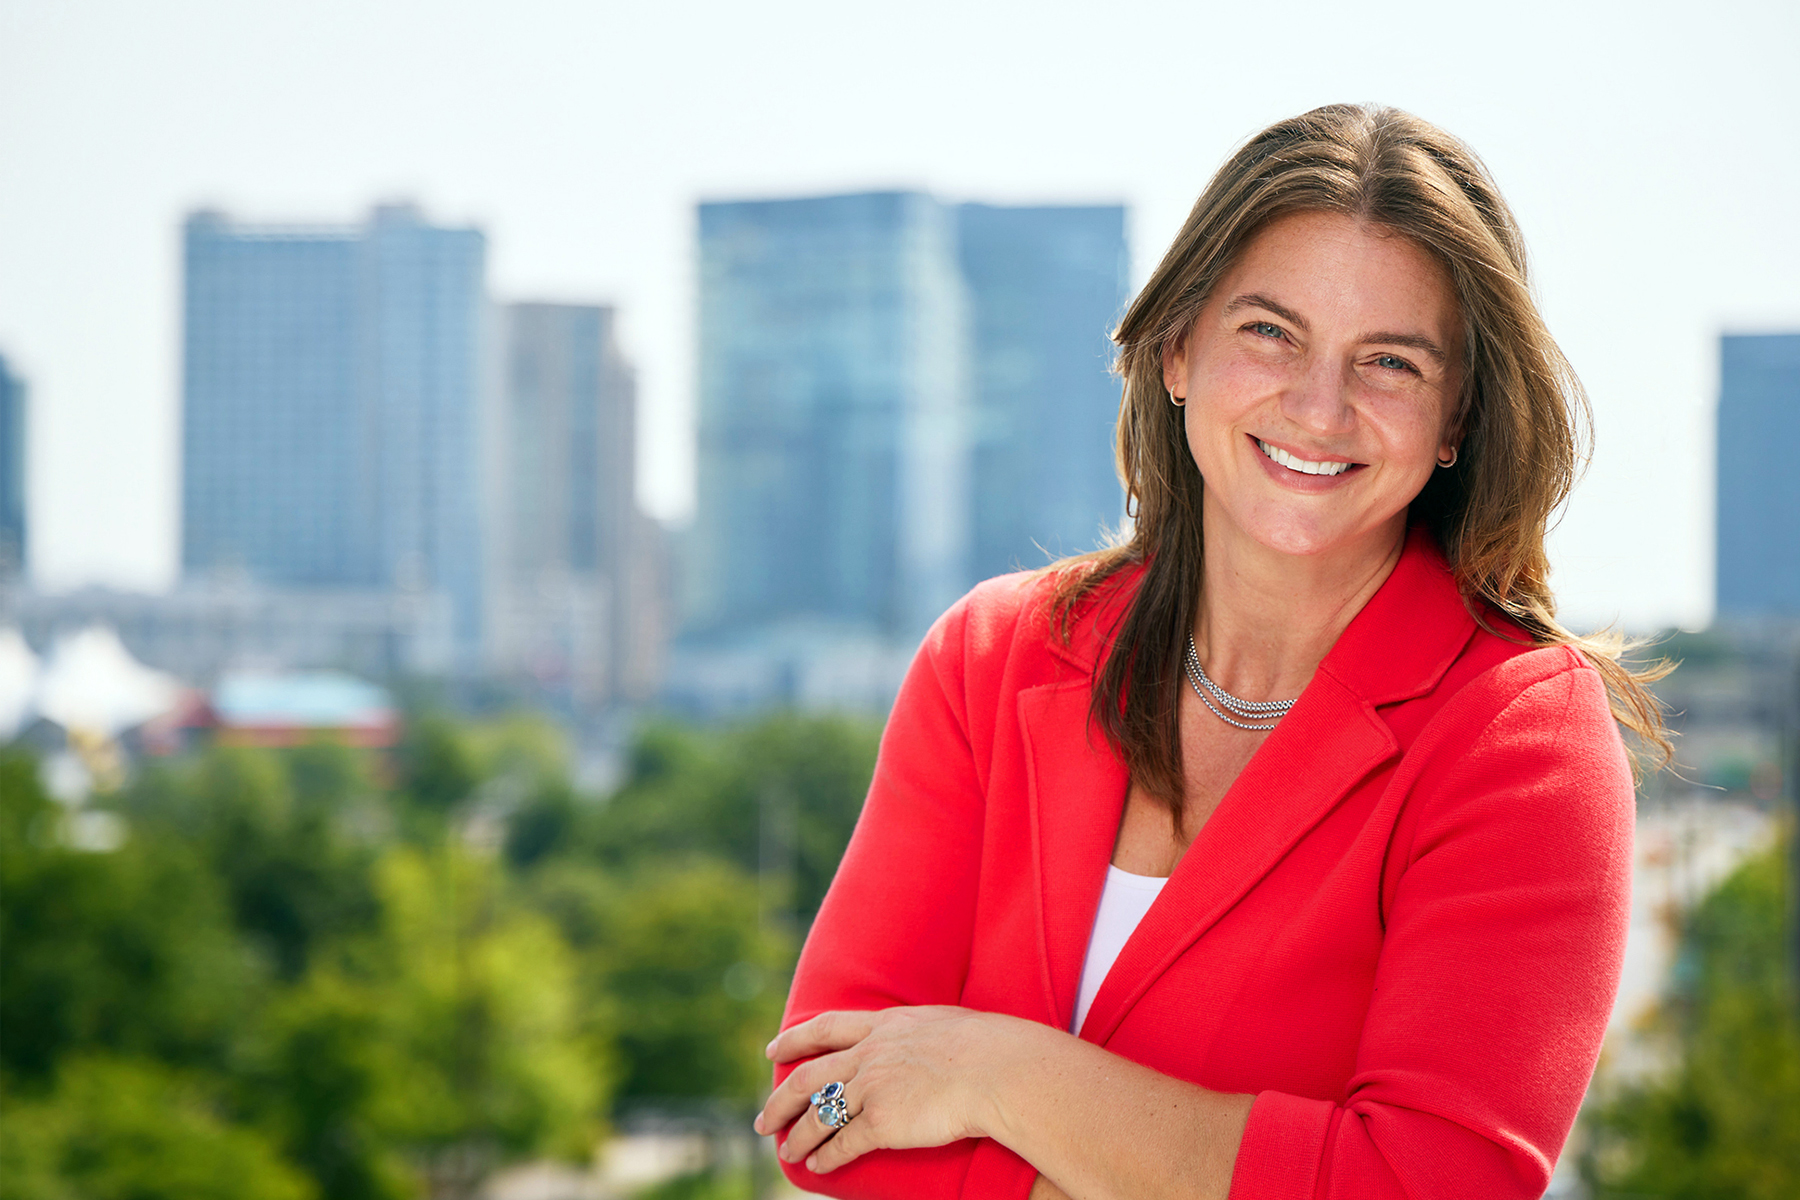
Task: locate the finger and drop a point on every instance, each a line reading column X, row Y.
column 794, row 1096
column 827, row 1031
column 810, row 1131
column 851, row 1142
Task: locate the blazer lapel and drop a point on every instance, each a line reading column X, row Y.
column 1326, row 743
column 1077, row 797
column 1398, row 647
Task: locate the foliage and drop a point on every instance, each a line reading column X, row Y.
column 124, row 1129
column 307, row 973
column 778, row 797
column 1726, row 1122
column 698, row 982
column 129, row 952
column 449, row 1034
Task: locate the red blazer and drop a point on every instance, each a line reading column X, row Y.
column 1401, row 930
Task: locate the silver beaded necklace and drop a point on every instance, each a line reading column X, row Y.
column 1220, row 700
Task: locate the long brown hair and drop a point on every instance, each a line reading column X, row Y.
column 1523, row 416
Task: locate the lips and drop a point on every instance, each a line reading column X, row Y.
column 1300, row 465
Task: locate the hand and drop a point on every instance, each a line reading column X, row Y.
column 912, row 1077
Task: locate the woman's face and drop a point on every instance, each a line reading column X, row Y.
column 1321, row 383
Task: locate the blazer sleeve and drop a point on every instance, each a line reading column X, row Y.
column 896, row 924
column 1506, row 903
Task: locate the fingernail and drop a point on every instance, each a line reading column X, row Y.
column 812, row 1163
column 757, row 1123
column 769, row 1050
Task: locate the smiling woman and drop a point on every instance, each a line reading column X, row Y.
column 1282, row 849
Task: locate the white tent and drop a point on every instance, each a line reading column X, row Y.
column 92, row 684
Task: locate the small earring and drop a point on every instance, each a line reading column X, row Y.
column 1173, row 400
column 1444, row 465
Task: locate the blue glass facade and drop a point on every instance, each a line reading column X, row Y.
column 1758, row 487
column 833, row 398
column 1046, row 287
column 12, row 471
column 331, row 391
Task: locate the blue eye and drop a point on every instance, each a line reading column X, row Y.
column 1265, row 329
column 1393, row 362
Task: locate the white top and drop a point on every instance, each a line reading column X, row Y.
column 1123, row 903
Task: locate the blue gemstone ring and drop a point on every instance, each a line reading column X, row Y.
column 829, row 1103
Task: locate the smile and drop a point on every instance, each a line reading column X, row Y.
column 1303, row 466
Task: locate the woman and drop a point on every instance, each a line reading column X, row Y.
column 1284, row 849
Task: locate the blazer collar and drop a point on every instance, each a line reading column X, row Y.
column 1397, row 648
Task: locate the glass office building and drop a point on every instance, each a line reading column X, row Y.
column 565, row 599
column 1046, row 287
column 833, row 401
column 897, row 397
column 332, row 390
column 1758, row 486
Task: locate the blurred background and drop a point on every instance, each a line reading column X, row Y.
column 472, row 477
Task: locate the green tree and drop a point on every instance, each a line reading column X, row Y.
column 779, row 796
column 1726, row 1122
column 697, row 982
column 274, row 827
column 120, row 1129
column 129, row 951
column 450, row 1035
column 439, row 766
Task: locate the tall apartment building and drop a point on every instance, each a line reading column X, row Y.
column 12, row 472
column 833, row 397
column 1758, row 487
column 575, row 582
column 1046, row 286
column 333, row 407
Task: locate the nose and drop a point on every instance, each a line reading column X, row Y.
column 1318, row 401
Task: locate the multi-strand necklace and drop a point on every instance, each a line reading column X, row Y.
column 1258, row 715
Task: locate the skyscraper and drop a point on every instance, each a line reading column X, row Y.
column 332, row 392
column 12, row 472
column 833, row 454
column 1046, row 286
column 1758, row 487
column 567, row 594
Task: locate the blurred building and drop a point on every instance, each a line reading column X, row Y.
column 207, row 628
column 833, row 380
column 293, row 708
column 897, row 398
column 575, row 583
column 12, row 472
column 1759, row 488
column 1046, row 286
column 333, row 396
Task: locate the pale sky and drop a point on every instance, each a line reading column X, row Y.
column 1652, row 154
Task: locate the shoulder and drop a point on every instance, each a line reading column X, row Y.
column 1011, row 618
column 1527, row 745
column 1006, row 636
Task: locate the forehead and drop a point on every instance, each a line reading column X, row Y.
column 1325, row 265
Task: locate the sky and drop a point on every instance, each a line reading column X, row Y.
column 1650, row 151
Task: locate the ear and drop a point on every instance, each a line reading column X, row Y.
column 1175, row 367
column 1457, row 427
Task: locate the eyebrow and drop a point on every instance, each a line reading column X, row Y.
column 1414, row 341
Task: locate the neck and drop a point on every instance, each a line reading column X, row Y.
column 1267, row 619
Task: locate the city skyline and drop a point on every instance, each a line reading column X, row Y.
column 585, row 179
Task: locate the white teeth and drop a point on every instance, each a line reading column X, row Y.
column 1300, row 464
